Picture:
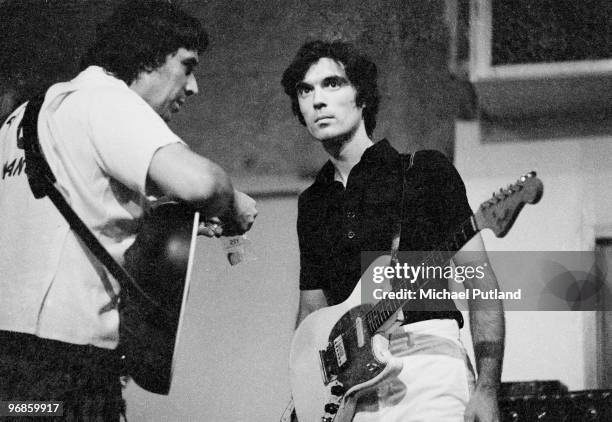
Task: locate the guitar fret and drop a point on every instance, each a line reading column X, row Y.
column 384, row 314
column 371, row 326
column 385, row 308
column 397, row 303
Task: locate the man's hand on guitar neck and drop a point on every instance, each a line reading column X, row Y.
column 236, row 221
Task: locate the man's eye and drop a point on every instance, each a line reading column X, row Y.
column 304, row 90
column 333, row 83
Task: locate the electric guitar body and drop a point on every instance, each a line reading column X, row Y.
column 357, row 362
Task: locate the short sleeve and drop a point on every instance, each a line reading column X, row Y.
column 440, row 203
column 451, row 187
column 126, row 132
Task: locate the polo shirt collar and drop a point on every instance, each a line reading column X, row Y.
column 381, row 153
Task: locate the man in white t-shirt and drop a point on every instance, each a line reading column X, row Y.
column 106, row 139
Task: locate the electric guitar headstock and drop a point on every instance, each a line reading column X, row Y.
column 500, row 211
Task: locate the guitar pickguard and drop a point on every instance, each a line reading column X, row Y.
column 349, row 357
column 348, row 364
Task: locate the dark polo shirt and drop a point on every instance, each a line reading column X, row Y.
column 336, row 223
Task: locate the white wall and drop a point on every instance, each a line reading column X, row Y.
column 233, row 357
column 573, row 162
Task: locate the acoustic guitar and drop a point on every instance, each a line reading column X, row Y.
column 152, row 303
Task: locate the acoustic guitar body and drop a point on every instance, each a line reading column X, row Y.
column 151, row 310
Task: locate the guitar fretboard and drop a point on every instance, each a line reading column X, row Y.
column 385, row 308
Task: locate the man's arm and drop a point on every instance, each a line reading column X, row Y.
column 177, row 172
column 488, row 331
column 310, row 301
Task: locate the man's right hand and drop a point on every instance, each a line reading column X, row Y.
column 240, row 219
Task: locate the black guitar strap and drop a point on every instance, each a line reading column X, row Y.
column 407, row 162
column 42, row 183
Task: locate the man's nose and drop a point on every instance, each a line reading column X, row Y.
column 192, row 85
column 318, row 98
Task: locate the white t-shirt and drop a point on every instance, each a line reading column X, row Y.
column 99, row 138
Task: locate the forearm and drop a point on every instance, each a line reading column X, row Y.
column 487, row 327
column 310, row 301
column 301, row 314
column 210, row 190
column 487, row 323
column 177, row 172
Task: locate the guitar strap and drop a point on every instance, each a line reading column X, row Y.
column 407, row 162
column 42, row 183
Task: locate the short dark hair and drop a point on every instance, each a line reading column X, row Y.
column 140, row 34
column 360, row 70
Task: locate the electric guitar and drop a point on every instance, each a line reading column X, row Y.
column 151, row 308
column 335, row 353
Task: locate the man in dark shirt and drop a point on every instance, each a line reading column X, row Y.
column 354, row 205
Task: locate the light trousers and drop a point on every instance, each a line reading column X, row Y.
column 435, row 382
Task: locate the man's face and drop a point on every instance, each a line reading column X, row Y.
column 327, row 101
column 166, row 88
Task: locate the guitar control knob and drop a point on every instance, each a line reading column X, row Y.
column 331, row 408
column 513, row 416
column 338, row 390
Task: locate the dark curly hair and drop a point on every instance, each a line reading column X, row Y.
column 140, row 34
column 360, row 70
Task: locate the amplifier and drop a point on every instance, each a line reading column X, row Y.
column 550, row 401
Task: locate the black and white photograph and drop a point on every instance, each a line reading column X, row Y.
column 305, row 210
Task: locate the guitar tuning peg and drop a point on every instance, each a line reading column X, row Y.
column 523, row 179
column 532, row 174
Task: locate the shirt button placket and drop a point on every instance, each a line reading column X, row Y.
column 350, row 215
